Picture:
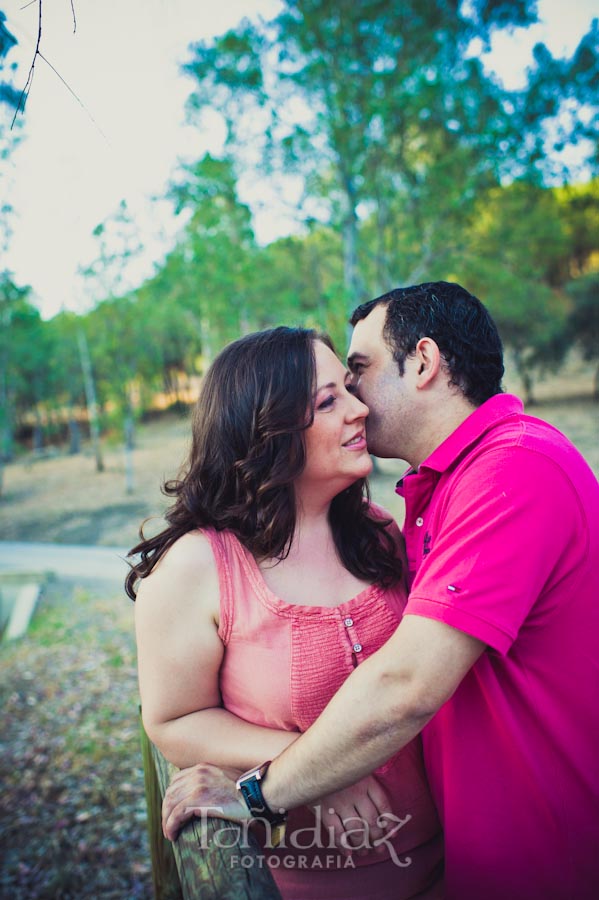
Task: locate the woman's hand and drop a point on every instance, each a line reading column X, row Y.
column 353, row 819
column 201, row 790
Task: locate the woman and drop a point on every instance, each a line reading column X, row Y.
column 272, row 580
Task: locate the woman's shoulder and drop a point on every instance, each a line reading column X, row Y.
column 186, row 568
column 191, row 553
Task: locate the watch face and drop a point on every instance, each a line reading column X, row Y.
column 256, row 774
column 249, row 786
column 252, row 775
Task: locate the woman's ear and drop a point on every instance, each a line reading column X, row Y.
column 428, row 357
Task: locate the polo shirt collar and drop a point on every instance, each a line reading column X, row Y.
column 483, row 418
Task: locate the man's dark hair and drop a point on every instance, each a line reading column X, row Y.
column 459, row 324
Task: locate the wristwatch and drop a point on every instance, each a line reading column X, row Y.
column 251, row 790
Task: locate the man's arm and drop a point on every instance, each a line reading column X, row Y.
column 385, row 702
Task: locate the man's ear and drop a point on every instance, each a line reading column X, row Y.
column 428, row 362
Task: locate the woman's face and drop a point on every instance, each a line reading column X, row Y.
column 336, row 450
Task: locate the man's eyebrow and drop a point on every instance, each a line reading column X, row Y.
column 354, row 359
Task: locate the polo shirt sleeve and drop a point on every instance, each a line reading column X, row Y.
column 502, row 531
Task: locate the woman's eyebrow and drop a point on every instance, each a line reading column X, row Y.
column 326, row 387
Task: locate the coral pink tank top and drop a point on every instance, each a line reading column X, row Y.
column 283, row 662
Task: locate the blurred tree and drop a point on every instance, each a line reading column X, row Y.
column 300, row 280
column 10, row 298
column 170, row 321
column 526, row 242
column 514, row 255
column 65, row 372
column 24, row 350
column 119, row 245
column 583, row 320
column 8, row 93
column 579, row 214
column 217, row 246
column 385, row 111
column 9, row 137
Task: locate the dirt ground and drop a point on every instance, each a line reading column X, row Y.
column 63, row 499
column 73, row 813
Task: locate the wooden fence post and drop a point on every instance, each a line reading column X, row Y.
column 200, row 865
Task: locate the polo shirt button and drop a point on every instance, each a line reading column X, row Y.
column 357, row 648
column 348, row 622
column 420, row 521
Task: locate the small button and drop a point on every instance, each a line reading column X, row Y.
column 357, row 648
column 420, row 521
column 348, row 622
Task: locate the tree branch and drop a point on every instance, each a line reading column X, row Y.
column 28, row 83
column 38, row 52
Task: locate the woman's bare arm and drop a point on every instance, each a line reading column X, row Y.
column 179, row 658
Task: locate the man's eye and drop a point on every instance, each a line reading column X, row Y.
column 351, row 388
column 326, row 403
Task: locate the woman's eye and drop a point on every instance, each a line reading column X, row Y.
column 326, row 403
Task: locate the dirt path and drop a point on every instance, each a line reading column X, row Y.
column 62, row 499
column 101, row 564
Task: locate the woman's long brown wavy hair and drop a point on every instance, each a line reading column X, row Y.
column 248, row 449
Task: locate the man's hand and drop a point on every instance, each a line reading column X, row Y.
column 201, row 789
column 353, row 817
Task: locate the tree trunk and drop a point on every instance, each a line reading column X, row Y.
column 351, row 278
column 206, row 339
column 129, row 429
column 382, row 261
column 7, row 449
column 90, row 395
column 525, row 376
column 74, row 436
column 38, row 438
column 6, row 417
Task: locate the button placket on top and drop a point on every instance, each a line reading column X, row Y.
column 352, row 634
column 416, row 489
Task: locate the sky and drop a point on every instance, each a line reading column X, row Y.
column 122, row 136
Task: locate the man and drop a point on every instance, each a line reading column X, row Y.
column 496, row 660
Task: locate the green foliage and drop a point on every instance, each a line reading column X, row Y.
column 217, row 246
column 64, row 366
column 524, row 245
column 583, row 320
column 8, row 94
column 584, row 316
column 384, row 111
column 413, row 164
column 25, row 348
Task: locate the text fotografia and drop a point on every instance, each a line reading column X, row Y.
column 357, row 836
column 301, row 861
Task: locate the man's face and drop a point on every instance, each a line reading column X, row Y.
column 389, row 396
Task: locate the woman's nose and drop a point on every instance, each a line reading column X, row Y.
column 358, row 409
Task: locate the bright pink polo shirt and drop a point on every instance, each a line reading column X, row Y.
column 502, row 531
